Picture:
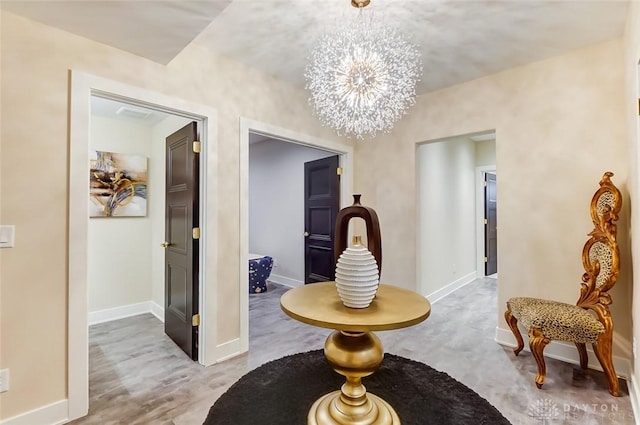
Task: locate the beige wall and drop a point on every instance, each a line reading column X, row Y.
column 632, row 58
column 485, row 153
column 560, row 123
column 35, row 70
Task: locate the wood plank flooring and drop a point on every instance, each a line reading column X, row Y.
column 138, row 376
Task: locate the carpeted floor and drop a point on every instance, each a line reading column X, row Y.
column 282, row 391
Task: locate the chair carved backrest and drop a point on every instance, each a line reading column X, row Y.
column 600, row 255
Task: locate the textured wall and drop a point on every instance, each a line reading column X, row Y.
column 560, row 123
column 34, row 113
column 485, row 153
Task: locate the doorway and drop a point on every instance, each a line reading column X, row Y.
column 486, row 227
column 448, row 244
column 490, row 225
column 83, row 87
column 254, row 129
column 127, row 251
column 278, row 213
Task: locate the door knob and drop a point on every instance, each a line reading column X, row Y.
column 165, row 244
column 306, row 234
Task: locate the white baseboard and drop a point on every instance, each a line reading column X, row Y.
column 567, row 352
column 228, row 350
column 451, row 287
column 51, row 414
column 157, row 310
column 286, row 281
column 121, row 312
column 634, row 393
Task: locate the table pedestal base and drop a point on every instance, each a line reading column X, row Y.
column 325, row 411
column 353, row 355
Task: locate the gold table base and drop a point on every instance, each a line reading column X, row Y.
column 353, row 355
column 325, row 412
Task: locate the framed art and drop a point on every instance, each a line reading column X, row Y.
column 117, row 184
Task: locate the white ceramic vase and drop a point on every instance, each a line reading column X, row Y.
column 357, row 276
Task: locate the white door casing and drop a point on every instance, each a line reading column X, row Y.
column 83, row 86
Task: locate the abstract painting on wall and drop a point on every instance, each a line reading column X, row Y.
column 117, row 185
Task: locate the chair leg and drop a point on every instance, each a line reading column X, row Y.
column 603, row 350
column 584, row 358
column 512, row 321
column 537, row 342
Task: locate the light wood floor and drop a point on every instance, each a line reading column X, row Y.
column 138, row 376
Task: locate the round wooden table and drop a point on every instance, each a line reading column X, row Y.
column 353, row 350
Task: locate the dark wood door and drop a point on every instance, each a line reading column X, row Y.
column 490, row 226
column 321, row 206
column 181, row 239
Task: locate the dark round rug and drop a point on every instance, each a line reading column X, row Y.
column 282, row 391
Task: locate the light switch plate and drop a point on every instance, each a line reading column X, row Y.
column 4, row 380
column 7, row 236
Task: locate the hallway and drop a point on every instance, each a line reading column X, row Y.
column 138, row 376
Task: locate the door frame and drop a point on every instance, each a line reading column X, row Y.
column 480, row 172
column 346, row 190
column 82, row 87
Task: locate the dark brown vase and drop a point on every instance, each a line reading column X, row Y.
column 374, row 240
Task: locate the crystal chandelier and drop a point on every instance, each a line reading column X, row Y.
column 362, row 78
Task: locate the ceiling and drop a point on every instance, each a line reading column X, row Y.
column 460, row 40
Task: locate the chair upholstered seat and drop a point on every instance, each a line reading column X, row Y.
column 556, row 320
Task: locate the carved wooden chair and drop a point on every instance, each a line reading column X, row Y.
column 549, row 320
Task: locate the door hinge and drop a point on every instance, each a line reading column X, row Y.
column 485, row 221
column 195, row 320
column 485, row 184
column 196, row 146
column 339, row 171
column 486, row 260
column 196, row 233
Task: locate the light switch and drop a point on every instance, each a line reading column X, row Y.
column 7, row 236
column 4, row 380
